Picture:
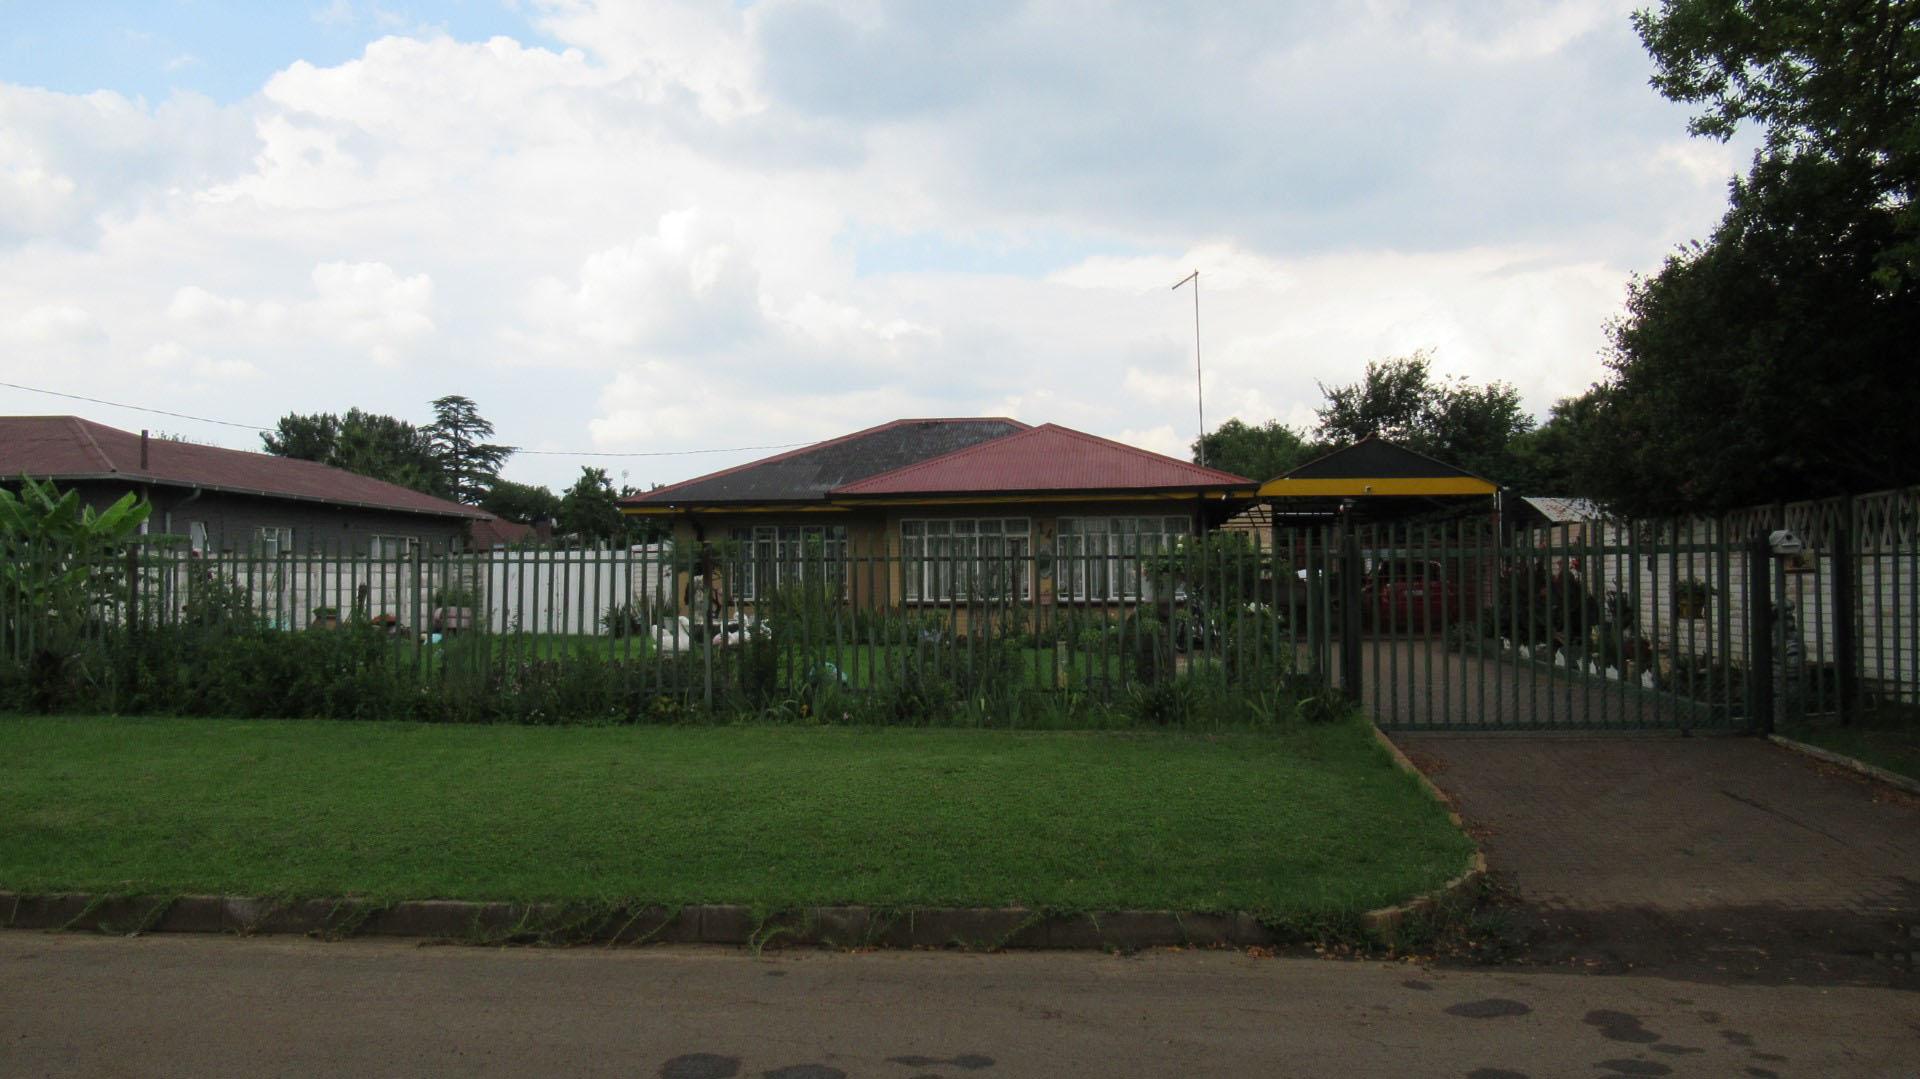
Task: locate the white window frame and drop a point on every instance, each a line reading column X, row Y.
column 779, row 553
column 1100, row 559
column 377, row 546
column 941, row 556
column 272, row 541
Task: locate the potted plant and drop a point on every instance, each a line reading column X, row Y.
column 1691, row 598
column 325, row 618
column 453, row 609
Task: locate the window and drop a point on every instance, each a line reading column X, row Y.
column 775, row 556
column 1099, row 558
column 272, row 541
column 197, row 537
column 394, row 547
column 966, row 558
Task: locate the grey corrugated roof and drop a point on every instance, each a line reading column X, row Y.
column 1375, row 458
column 806, row 475
column 1564, row 510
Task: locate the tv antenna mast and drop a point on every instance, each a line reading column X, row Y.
column 1199, row 390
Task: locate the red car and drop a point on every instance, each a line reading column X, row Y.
column 1409, row 595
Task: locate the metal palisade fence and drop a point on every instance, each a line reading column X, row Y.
column 1729, row 623
column 678, row 627
column 1738, row 622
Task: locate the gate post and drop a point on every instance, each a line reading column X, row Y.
column 1351, row 570
column 1845, row 645
column 1760, row 622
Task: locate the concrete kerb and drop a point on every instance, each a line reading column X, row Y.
column 1384, row 924
column 1892, row 779
column 979, row 928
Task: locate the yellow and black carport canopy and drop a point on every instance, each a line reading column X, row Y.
column 1376, row 468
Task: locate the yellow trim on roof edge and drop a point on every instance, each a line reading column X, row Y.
column 857, row 502
column 1283, row 487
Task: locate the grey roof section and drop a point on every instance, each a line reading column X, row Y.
column 807, row 475
column 1564, row 510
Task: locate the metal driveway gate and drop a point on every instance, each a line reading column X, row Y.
column 1583, row 624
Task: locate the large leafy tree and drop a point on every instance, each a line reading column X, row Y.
column 521, row 502
column 590, row 509
column 366, row 443
column 458, row 437
column 1259, row 453
column 1560, row 456
column 1775, row 361
column 1829, row 81
column 1400, row 400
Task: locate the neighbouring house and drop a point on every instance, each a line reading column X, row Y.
column 1570, row 520
column 495, row 532
column 222, row 500
column 949, row 511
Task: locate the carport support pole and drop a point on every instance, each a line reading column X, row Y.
column 1351, row 570
column 1760, row 633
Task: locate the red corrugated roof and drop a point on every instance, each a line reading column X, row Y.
column 810, row 472
column 1044, row 458
column 70, row 448
column 498, row 532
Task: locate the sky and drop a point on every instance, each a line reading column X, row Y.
column 676, row 225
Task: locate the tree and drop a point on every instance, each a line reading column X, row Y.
column 1770, row 364
column 1398, row 399
column 373, row 445
column 1259, row 453
column 1559, row 457
column 1836, row 83
column 469, row 464
column 521, row 502
column 1774, row 361
column 591, row 508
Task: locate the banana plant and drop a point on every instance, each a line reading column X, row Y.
column 61, row 570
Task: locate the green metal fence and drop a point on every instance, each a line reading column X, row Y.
column 1737, row 622
column 675, row 623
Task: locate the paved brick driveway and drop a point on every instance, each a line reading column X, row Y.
column 1640, row 850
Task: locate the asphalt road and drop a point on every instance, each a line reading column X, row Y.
column 73, row 1004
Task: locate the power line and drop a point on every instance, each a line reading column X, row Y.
column 136, row 408
column 516, row 449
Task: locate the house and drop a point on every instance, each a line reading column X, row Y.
column 948, row 511
column 231, row 500
column 495, row 532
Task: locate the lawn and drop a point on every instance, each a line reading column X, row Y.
column 1890, row 742
column 1310, row 821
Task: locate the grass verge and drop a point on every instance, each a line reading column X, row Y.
column 1891, row 742
column 1309, row 822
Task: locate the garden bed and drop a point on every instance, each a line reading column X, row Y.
column 1312, row 822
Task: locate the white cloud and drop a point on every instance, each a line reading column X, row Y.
column 368, row 305
column 55, row 325
column 173, row 358
column 685, row 225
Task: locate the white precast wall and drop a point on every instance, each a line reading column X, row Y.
column 570, row 591
column 1650, row 566
column 534, row 591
